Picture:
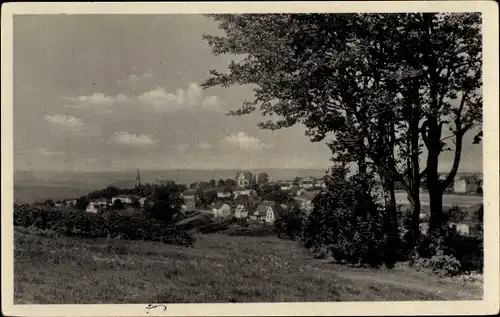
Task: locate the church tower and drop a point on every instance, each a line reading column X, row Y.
column 138, row 180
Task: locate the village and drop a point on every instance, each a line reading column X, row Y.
column 247, row 199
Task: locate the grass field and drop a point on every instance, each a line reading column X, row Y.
column 59, row 270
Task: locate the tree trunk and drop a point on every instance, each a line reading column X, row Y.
column 391, row 221
column 414, row 192
column 415, row 219
column 436, row 205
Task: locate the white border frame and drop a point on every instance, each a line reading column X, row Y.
column 490, row 302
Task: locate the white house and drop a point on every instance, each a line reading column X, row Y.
column 465, row 185
column 244, row 179
column 242, row 205
column 307, row 183
column 286, row 186
column 247, row 192
column 70, row 203
column 241, row 212
column 142, row 201
column 102, row 202
column 266, row 211
column 93, row 208
column 222, row 194
column 125, row 199
column 221, row 210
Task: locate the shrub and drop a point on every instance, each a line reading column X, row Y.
column 290, row 224
column 257, row 230
column 347, row 222
column 446, row 265
column 87, row 225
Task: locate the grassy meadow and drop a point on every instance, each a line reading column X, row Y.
column 49, row 269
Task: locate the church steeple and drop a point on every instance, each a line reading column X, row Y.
column 138, row 180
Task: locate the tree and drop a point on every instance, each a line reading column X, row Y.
column 166, row 202
column 203, row 185
column 363, row 86
column 82, row 203
column 262, row 178
column 117, row 205
column 49, row 203
column 193, row 185
column 221, row 183
column 331, row 82
column 212, row 183
column 447, row 51
column 296, row 181
column 230, row 182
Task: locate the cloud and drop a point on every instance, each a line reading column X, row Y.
column 203, row 145
column 190, row 98
column 182, row 147
column 126, row 138
column 65, row 122
column 97, row 102
column 135, row 78
column 245, row 142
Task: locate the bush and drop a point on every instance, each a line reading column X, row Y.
column 290, row 224
column 467, row 250
column 87, row 225
column 445, row 265
column 346, row 222
column 258, row 230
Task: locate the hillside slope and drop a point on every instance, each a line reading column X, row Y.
column 54, row 270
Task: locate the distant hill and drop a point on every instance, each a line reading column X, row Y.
column 30, row 186
column 29, row 194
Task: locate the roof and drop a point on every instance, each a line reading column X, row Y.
column 99, row 200
column 248, row 175
column 309, row 195
column 219, row 205
column 241, row 199
column 262, row 208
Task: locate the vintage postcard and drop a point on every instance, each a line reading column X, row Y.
column 250, row 158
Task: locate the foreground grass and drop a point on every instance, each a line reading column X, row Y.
column 60, row 270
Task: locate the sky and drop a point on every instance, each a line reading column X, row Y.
column 97, row 93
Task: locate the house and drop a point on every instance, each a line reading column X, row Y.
column 305, row 200
column 93, row 208
column 189, row 197
column 267, row 211
column 103, row 202
column 221, row 210
column 307, row 183
column 320, row 184
column 465, row 185
column 470, row 224
column 300, row 191
column 246, row 192
column 286, row 186
column 142, row 201
column 242, row 206
column 223, row 194
column 244, row 179
column 125, row 199
column 70, row 203
column 304, row 204
column 189, row 205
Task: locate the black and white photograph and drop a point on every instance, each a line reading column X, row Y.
column 196, row 154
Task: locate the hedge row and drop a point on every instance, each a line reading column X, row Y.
column 88, row 225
